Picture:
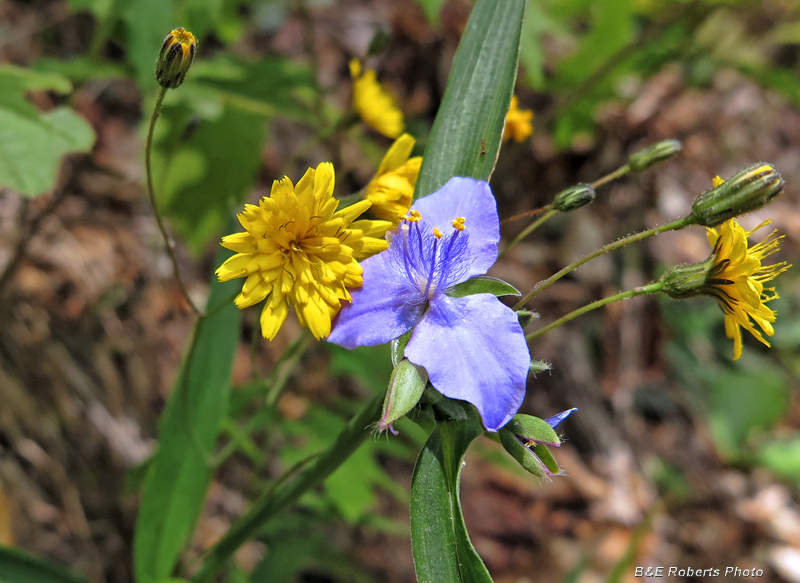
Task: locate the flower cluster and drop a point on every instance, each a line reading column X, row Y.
column 298, row 249
column 373, row 103
column 519, row 122
column 391, row 189
column 472, row 347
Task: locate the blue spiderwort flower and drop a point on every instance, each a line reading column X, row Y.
column 473, row 347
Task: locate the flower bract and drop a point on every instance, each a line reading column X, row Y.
column 392, row 188
column 519, row 122
column 472, row 347
column 299, row 249
column 373, row 103
column 737, row 280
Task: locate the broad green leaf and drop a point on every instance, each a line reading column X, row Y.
column 147, row 22
column 19, row 567
column 180, row 471
column 431, row 8
column 442, row 550
column 482, row 284
column 32, row 143
column 782, row 458
column 465, row 139
column 210, row 174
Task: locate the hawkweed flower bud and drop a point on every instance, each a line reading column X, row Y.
column 573, row 198
column 405, row 389
column 658, row 152
column 745, row 191
column 177, row 54
column 526, row 438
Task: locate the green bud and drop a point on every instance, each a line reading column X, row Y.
column 526, row 438
column 405, row 389
column 573, row 198
column 745, row 191
column 658, row 152
column 525, row 317
column 177, row 54
column 532, row 430
column 685, row 281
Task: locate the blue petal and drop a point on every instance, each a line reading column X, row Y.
column 559, row 417
column 473, row 200
column 385, row 307
column 474, row 349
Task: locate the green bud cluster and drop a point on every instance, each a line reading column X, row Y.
column 746, row 191
column 658, row 152
column 573, row 198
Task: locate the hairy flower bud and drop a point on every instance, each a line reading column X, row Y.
column 177, row 54
column 573, row 198
column 658, row 152
column 685, row 281
column 745, row 191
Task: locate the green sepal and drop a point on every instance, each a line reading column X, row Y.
column 532, row 428
column 482, row 284
column 524, row 456
column 398, row 346
column 538, row 366
column 406, row 386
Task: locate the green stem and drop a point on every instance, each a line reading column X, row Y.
column 528, row 230
column 618, row 173
column 267, row 506
column 151, row 191
column 673, row 226
column 631, row 293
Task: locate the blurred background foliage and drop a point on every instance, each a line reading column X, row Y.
column 678, row 454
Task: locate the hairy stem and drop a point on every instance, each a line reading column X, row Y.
column 631, row 293
column 151, row 191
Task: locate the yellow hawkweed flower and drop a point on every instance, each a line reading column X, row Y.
column 519, row 122
column 392, row 188
column 737, row 280
column 175, row 58
column 298, row 249
column 373, row 103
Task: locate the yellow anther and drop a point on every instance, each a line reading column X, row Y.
column 717, row 181
column 437, row 233
column 415, row 216
column 458, row 223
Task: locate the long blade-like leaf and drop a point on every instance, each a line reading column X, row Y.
column 180, row 473
column 465, row 138
column 19, row 567
column 442, row 550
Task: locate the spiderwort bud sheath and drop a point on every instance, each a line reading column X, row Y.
column 177, row 54
column 746, row 191
column 405, row 389
column 658, row 152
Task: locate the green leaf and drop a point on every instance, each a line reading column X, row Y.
column 432, row 9
column 32, row 143
column 465, row 139
column 482, row 284
column 147, row 22
column 782, row 458
column 442, row 550
column 19, row 567
column 180, row 471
